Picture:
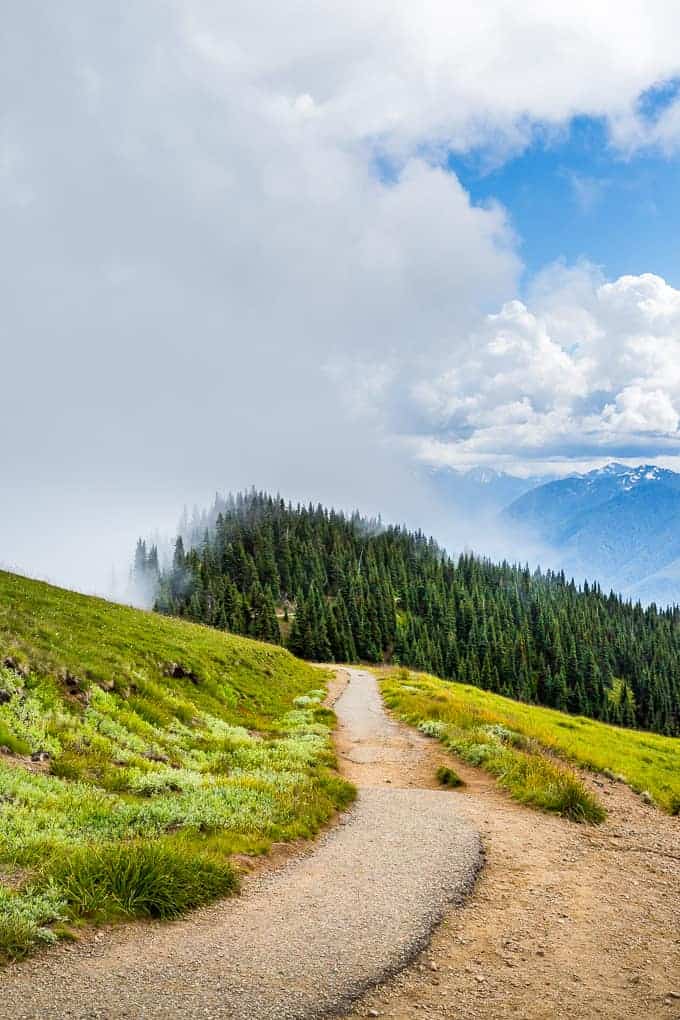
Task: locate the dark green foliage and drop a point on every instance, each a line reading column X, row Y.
column 448, row 777
column 353, row 589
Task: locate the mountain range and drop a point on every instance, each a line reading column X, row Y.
column 618, row 525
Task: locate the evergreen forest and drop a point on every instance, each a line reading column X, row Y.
column 333, row 587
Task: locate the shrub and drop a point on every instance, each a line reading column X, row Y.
column 432, row 728
column 164, row 780
column 449, row 777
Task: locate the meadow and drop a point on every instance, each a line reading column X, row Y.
column 137, row 754
column 509, row 739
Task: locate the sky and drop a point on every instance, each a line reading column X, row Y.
column 318, row 248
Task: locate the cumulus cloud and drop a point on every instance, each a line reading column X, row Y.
column 594, row 368
column 405, row 74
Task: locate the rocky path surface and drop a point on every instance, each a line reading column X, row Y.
column 304, row 940
column 566, row 921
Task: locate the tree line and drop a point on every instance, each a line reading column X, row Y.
column 333, row 587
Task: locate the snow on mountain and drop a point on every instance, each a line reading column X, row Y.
column 617, row 524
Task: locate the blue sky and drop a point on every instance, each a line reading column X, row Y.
column 576, row 196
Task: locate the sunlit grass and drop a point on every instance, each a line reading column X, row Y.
column 646, row 761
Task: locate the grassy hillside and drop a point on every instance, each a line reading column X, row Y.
column 136, row 754
column 500, row 735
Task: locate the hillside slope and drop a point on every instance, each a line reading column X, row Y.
column 136, row 754
column 484, row 729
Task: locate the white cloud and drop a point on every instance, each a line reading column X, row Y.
column 439, row 72
column 598, row 375
column 632, row 130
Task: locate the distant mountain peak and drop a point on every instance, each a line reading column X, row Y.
column 628, row 477
column 618, row 523
column 613, row 468
column 486, row 475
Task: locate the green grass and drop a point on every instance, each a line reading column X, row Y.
column 171, row 747
column 507, row 738
column 478, row 737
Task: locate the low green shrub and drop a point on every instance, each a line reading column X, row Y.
column 25, row 916
column 448, row 777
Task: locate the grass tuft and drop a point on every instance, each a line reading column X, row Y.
column 448, row 777
column 139, row 880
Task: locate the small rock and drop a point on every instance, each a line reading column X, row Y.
column 373, row 1012
column 40, row 756
column 9, row 662
column 178, row 672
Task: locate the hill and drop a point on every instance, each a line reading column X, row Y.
column 618, row 524
column 347, row 588
column 137, row 753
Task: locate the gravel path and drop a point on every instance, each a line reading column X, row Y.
column 304, row 940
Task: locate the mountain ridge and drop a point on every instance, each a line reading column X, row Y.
column 618, row 524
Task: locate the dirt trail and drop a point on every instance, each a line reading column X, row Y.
column 565, row 920
column 305, row 939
